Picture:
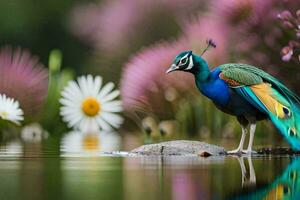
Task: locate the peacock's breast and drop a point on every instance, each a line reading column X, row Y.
column 217, row 90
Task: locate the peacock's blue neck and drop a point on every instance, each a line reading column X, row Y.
column 209, row 83
column 202, row 76
column 200, row 70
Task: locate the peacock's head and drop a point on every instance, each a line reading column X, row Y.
column 189, row 62
column 182, row 62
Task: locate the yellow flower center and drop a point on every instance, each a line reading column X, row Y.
column 91, row 142
column 91, row 106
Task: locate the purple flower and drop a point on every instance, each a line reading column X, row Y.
column 287, row 53
column 298, row 33
column 290, row 24
column 23, row 78
column 285, row 15
column 298, row 13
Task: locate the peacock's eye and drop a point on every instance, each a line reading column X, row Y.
column 183, row 60
column 286, row 189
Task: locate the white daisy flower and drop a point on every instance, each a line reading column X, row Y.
column 10, row 109
column 88, row 107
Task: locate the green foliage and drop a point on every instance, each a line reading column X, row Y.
column 198, row 116
column 58, row 79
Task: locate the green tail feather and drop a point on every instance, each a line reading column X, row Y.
column 256, row 76
column 289, row 126
column 292, row 97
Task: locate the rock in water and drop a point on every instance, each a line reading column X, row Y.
column 180, row 148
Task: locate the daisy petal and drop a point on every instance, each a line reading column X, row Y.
column 112, row 106
column 106, row 89
column 98, row 83
column 9, row 110
column 110, row 96
column 113, row 119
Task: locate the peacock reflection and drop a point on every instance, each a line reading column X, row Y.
column 248, row 179
column 285, row 186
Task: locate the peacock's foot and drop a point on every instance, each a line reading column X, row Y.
column 235, row 151
column 249, row 152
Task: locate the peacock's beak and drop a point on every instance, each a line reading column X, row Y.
column 172, row 68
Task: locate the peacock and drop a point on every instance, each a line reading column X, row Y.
column 246, row 92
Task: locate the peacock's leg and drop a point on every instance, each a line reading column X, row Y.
column 240, row 147
column 252, row 131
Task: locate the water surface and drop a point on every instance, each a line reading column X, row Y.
column 35, row 172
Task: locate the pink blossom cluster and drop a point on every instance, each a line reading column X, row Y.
column 23, row 78
column 291, row 23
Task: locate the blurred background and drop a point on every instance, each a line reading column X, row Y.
column 132, row 43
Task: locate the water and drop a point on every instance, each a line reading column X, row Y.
column 35, row 171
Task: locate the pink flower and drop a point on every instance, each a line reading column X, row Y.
column 287, row 53
column 106, row 26
column 23, row 78
column 285, row 15
column 197, row 31
column 115, row 24
column 84, row 22
column 246, row 12
column 144, row 78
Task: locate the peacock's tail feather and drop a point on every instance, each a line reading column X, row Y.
column 272, row 100
column 283, row 111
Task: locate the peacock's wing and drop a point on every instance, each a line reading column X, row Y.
column 268, row 95
column 237, row 75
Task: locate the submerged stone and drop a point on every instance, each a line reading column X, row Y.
column 180, row 148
